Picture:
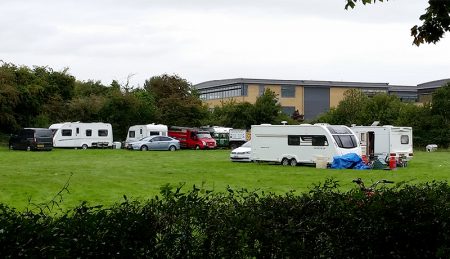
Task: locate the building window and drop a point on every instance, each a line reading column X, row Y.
column 288, row 110
column 262, row 88
column 244, row 90
column 287, row 91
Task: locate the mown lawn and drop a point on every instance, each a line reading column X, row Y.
column 104, row 176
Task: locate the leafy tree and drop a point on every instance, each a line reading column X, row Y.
column 178, row 103
column 436, row 20
column 233, row 114
column 266, row 108
column 349, row 111
column 441, row 103
column 382, row 107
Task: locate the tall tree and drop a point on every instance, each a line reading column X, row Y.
column 177, row 101
column 267, row 109
column 435, row 21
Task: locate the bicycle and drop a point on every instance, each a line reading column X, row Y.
column 370, row 191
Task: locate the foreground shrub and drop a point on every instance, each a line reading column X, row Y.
column 403, row 222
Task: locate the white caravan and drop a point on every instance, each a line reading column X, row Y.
column 82, row 135
column 138, row 132
column 306, row 143
column 384, row 141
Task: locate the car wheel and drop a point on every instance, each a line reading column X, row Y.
column 293, row 162
column 84, row 147
column 285, row 162
column 197, row 147
column 28, row 148
column 144, row 148
column 172, row 148
column 11, row 147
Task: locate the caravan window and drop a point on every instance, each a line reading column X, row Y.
column 346, row 141
column 131, row 134
column 78, row 130
column 102, row 133
column 307, row 140
column 404, row 139
column 66, row 132
column 293, row 140
column 154, row 133
column 88, row 133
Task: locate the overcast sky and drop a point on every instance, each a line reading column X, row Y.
column 203, row 40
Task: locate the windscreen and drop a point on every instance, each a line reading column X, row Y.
column 203, row 135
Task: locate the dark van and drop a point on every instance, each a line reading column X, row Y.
column 32, row 139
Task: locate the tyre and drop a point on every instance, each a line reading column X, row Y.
column 84, row 147
column 197, row 147
column 144, row 148
column 11, row 147
column 293, row 162
column 172, row 148
column 28, row 148
column 285, row 162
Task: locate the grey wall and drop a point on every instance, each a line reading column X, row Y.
column 317, row 101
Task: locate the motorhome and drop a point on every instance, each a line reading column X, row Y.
column 82, row 135
column 385, row 141
column 305, row 143
column 192, row 138
column 138, row 132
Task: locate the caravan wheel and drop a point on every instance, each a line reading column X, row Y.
column 293, row 162
column 285, row 162
column 84, row 147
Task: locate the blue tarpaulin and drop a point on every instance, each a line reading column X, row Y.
column 348, row 161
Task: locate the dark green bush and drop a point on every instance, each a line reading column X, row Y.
column 403, row 222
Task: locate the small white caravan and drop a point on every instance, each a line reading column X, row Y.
column 82, row 135
column 138, row 132
column 306, row 143
column 384, row 141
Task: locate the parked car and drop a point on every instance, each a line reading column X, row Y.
column 32, row 139
column 155, row 143
column 242, row 153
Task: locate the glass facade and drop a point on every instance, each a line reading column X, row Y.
column 224, row 92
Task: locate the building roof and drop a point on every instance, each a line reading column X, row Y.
column 433, row 84
column 224, row 82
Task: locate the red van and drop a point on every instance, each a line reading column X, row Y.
column 192, row 138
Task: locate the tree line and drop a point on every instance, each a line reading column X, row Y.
column 40, row 96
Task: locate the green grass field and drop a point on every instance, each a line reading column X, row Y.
column 104, row 176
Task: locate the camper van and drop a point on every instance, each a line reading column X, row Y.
column 82, row 135
column 385, row 141
column 138, row 132
column 305, row 143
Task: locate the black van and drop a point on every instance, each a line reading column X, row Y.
column 32, row 139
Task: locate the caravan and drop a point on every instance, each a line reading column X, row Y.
column 306, row 143
column 386, row 141
column 138, row 132
column 82, row 135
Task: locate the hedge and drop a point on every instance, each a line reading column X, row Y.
column 406, row 221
